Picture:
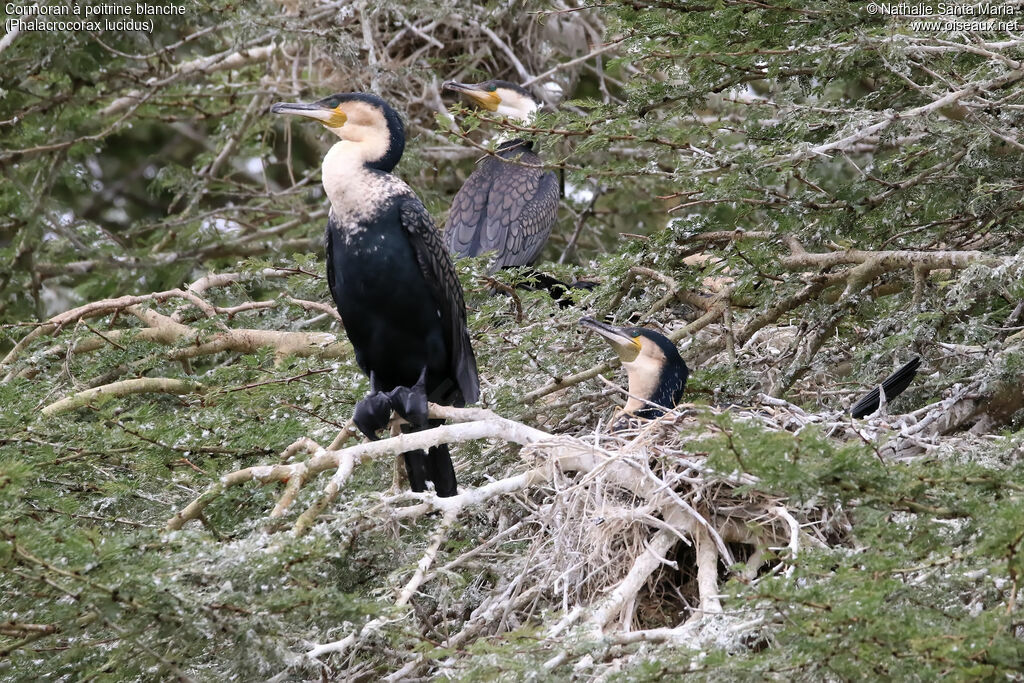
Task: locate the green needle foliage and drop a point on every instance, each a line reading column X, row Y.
column 835, row 191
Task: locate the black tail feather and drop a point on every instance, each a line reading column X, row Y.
column 441, row 471
column 435, row 466
column 893, row 385
column 416, row 467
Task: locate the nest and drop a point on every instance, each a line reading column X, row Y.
column 614, row 538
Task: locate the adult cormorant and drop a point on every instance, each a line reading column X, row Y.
column 657, row 373
column 392, row 279
column 893, row 385
column 508, row 205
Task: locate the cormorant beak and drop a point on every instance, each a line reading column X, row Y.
column 627, row 346
column 487, row 99
column 330, row 117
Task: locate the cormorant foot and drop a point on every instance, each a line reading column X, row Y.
column 411, row 402
column 372, row 413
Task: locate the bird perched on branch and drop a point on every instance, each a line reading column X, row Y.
column 508, row 205
column 893, row 385
column 657, row 373
column 392, row 279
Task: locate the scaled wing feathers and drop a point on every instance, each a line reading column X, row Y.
column 508, row 205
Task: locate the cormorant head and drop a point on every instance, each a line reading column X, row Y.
column 507, row 99
column 363, row 119
column 657, row 373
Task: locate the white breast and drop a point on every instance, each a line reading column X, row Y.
column 355, row 191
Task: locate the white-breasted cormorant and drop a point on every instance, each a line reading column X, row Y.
column 893, row 385
column 509, row 204
column 392, row 279
column 657, row 373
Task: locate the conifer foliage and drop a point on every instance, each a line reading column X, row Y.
column 802, row 195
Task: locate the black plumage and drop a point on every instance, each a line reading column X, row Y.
column 392, row 280
column 894, row 385
column 401, row 301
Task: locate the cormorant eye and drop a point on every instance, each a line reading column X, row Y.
column 492, row 88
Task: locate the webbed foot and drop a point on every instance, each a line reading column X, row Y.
column 411, row 402
column 372, row 414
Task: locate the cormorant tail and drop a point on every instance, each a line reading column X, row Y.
column 893, row 385
column 441, row 471
column 416, row 468
column 435, row 466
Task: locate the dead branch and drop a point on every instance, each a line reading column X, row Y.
column 649, row 561
column 486, row 425
column 800, row 259
column 890, row 117
column 142, row 385
column 190, row 293
column 169, row 330
column 204, row 65
column 986, row 403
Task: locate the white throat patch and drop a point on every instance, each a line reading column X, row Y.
column 644, row 372
column 356, row 192
column 516, row 107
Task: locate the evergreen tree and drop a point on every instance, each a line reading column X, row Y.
column 802, row 195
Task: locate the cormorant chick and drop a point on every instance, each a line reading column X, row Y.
column 392, row 279
column 657, row 373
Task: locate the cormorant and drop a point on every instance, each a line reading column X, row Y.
column 657, row 373
column 392, row 279
column 508, row 205
column 893, row 385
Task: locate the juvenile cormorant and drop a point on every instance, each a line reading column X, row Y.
column 893, row 385
column 392, row 279
column 657, row 373
column 508, row 205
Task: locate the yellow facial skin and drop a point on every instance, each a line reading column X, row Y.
column 628, row 348
column 628, row 352
column 489, row 100
column 336, row 119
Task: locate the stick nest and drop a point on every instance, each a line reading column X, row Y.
column 610, row 538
